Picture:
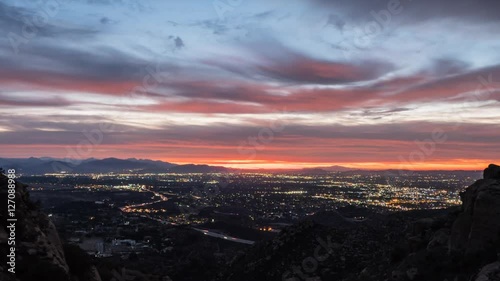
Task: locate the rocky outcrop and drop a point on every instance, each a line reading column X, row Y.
column 476, row 231
column 91, row 275
column 492, row 172
column 456, row 247
column 38, row 247
column 490, row 272
column 39, row 252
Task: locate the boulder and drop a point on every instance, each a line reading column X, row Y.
column 440, row 239
column 475, row 233
column 490, row 272
column 492, row 172
column 412, row 273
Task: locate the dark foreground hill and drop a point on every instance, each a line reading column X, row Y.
column 40, row 254
column 459, row 244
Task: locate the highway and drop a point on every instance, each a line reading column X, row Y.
column 163, row 198
column 223, row 236
column 129, row 208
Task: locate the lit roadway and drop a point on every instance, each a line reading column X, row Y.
column 223, row 236
column 163, row 198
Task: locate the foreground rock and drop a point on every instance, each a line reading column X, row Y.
column 464, row 244
column 475, row 233
column 492, row 172
column 39, row 252
column 490, row 272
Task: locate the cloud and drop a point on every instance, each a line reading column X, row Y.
column 233, row 96
column 16, row 22
column 473, row 83
column 91, row 70
column 397, row 92
column 446, row 66
column 100, row 63
column 10, row 17
column 417, row 11
column 130, row 4
column 178, row 42
column 202, row 106
column 216, row 26
column 335, row 21
column 264, row 15
column 325, row 144
column 292, row 67
column 105, row 20
column 12, row 101
column 305, row 70
column 232, row 135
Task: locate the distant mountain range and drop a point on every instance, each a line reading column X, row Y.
column 192, row 168
column 327, row 169
column 47, row 165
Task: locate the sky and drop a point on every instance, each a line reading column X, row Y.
column 253, row 84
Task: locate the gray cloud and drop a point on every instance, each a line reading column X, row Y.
column 14, row 21
column 50, row 61
column 417, row 11
column 406, row 132
column 179, row 43
column 285, row 65
column 447, row 66
column 336, row 21
column 264, row 15
column 105, row 20
column 216, row 26
column 32, row 102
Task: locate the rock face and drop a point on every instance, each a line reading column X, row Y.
column 476, row 232
column 91, row 275
column 490, row 272
column 456, row 248
column 39, row 251
column 492, row 172
column 37, row 240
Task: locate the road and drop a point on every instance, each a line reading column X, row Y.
column 129, row 208
column 223, row 236
column 163, row 198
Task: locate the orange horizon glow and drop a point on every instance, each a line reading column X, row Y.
column 461, row 164
column 284, row 163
